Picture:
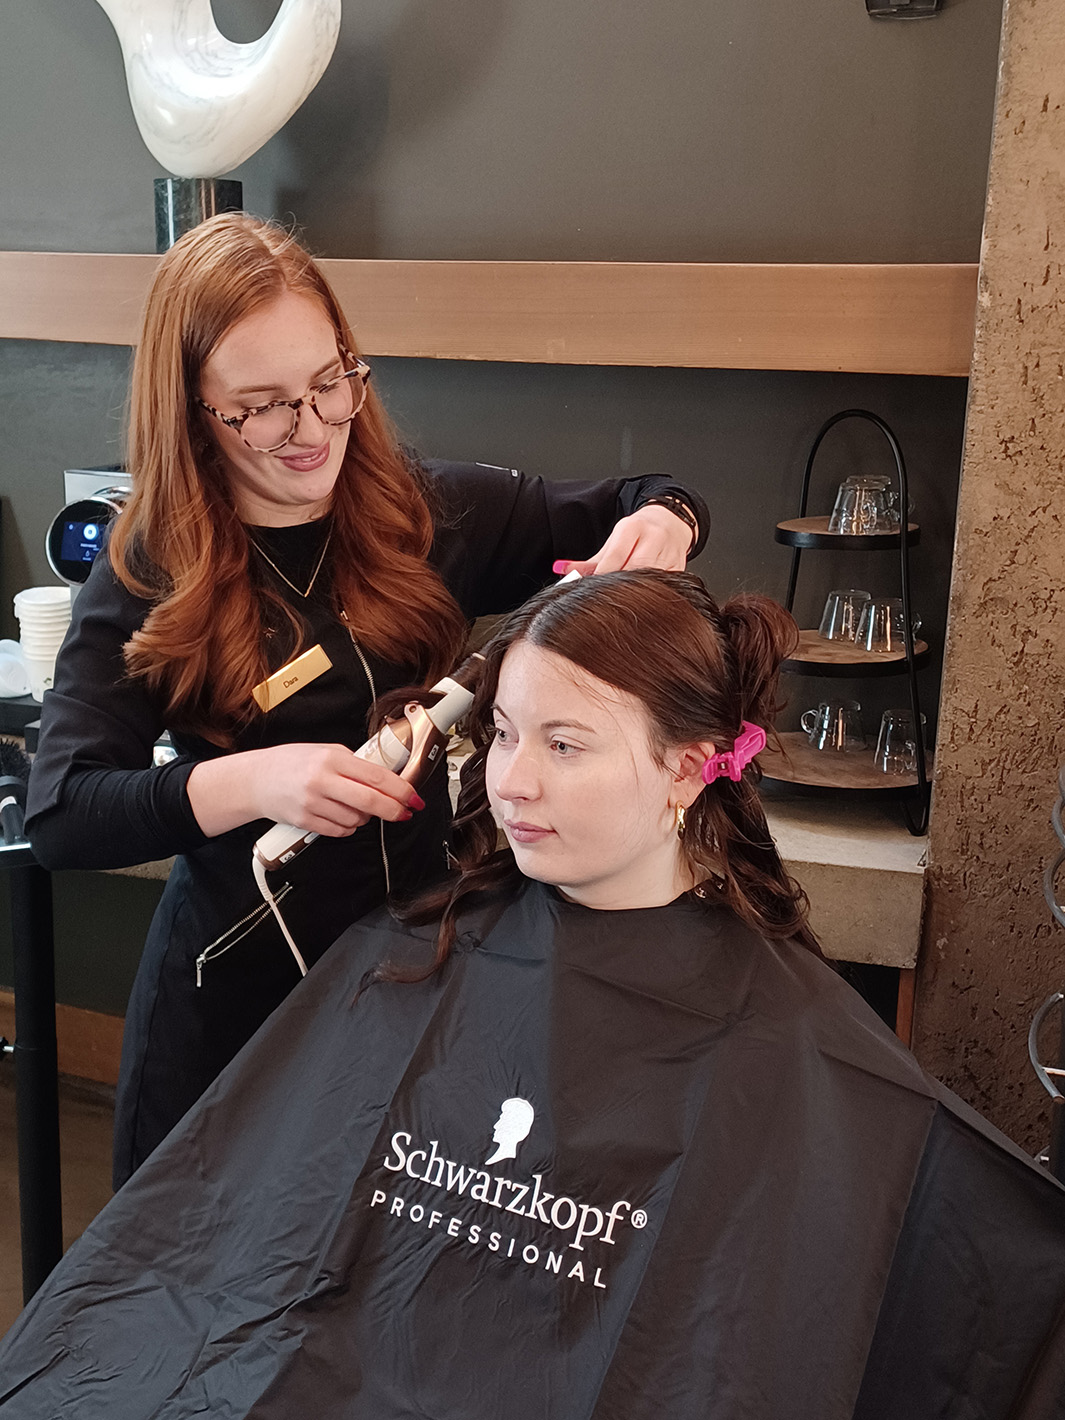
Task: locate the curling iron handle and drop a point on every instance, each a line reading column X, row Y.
column 280, row 844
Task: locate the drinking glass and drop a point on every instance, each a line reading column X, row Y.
column 835, row 725
column 865, row 503
column 842, row 613
column 881, row 627
column 897, row 745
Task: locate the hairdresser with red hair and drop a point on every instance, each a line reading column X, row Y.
column 274, row 514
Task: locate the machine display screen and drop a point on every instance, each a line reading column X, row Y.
column 81, row 541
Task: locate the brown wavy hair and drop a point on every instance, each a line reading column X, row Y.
column 179, row 540
column 699, row 670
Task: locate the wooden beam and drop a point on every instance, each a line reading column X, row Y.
column 95, row 299
column 914, row 320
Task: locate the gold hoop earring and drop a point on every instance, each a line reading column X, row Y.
column 679, row 816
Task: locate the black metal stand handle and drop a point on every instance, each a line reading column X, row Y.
column 36, row 1066
column 919, row 825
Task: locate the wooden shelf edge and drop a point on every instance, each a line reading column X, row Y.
column 834, row 659
column 854, row 670
column 880, row 319
column 808, row 768
column 813, row 534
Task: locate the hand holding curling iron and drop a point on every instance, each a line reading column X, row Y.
column 409, row 747
column 330, row 791
column 322, row 786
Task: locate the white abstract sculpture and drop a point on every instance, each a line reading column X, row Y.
column 202, row 103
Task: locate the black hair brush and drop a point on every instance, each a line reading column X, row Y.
column 14, row 776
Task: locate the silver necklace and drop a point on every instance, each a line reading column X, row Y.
column 373, row 696
column 314, row 575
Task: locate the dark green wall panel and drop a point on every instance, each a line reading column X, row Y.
column 689, row 130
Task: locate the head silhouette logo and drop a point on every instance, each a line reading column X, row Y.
column 515, row 1120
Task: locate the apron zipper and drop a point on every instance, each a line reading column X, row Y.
column 249, row 922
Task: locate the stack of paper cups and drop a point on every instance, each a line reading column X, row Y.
column 43, row 617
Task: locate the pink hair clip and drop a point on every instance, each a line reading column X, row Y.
column 749, row 742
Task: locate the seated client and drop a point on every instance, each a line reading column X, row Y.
column 595, row 1135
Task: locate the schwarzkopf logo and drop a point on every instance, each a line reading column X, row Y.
column 578, row 1222
column 513, row 1125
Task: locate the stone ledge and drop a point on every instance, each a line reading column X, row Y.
column 862, row 871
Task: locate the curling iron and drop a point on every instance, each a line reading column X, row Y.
column 412, row 745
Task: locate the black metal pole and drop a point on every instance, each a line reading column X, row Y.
column 36, row 1068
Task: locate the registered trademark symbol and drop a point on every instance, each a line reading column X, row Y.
column 639, row 1219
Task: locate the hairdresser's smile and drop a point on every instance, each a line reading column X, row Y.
column 283, row 351
column 571, row 778
column 307, row 462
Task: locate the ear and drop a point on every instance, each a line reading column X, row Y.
column 686, row 766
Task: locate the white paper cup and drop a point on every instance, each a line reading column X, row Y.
column 50, row 634
column 51, row 597
column 40, row 671
column 43, row 615
column 40, row 646
column 47, row 631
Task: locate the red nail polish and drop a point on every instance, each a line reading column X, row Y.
column 559, row 567
column 417, row 802
column 404, row 816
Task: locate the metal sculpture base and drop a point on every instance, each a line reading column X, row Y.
column 183, row 203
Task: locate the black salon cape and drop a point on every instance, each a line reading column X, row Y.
column 803, row 1223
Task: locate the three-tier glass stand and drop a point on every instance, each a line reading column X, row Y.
column 824, row 771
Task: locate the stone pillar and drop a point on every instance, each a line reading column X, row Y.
column 991, row 951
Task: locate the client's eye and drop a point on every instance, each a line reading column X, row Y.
column 561, row 747
column 499, row 734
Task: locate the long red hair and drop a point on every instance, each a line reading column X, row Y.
column 179, row 540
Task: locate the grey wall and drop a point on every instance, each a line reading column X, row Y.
column 541, row 129
column 687, row 130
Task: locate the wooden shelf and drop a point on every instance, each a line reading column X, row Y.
column 813, row 533
column 885, row 319
column 830, row 771
column 816, row 656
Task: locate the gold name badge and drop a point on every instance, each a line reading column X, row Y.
column 291, row 678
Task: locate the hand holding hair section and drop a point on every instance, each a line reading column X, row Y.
column 203, row 103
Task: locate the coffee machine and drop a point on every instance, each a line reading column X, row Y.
column 93, row 497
